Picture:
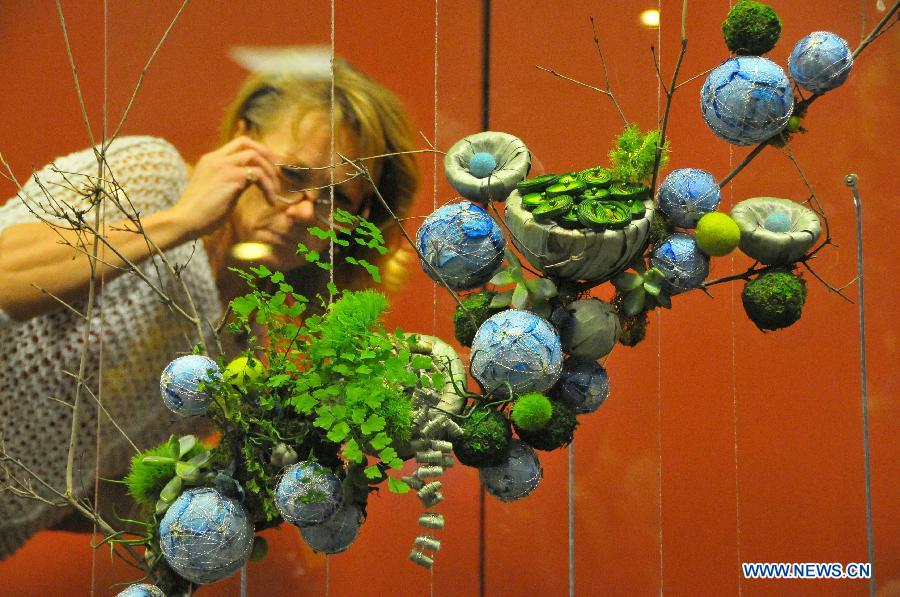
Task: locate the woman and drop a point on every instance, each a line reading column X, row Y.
column 265, row 185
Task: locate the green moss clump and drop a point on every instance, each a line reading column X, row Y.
column 660, row 229
column 634, row 328
column 485, row 439
column 751, row 28
column 531, row 411
column 146, row 479
column 479, row 305
column 774, row 300
column 634, row 155
column 558, row 431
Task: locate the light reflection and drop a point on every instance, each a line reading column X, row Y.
column 650, row 18
column 251, row 251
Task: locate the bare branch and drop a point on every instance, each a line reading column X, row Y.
column 606, row 73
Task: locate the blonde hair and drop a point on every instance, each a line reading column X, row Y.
column 360, row 104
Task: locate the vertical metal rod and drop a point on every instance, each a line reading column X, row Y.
column 485, row 125
column 850, row 180
column 244, row 580
column 572, row 519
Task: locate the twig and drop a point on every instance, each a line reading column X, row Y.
column 669, row 93
column 570, row 79
column 606, row 72
column 65, row 32
column 694, row 78
column 75, row 311
column 144, row 71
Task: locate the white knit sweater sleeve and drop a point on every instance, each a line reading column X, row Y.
column 149, row 174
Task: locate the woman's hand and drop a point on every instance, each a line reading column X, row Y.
column 218, row 180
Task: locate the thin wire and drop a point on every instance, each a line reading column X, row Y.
column 659, row 338
column 327, row 575
column 434, row 207
column 244, row 580
column 572, row 518
column 102, row 208
column 734, row 409
column 331, row 170
column 864, row 386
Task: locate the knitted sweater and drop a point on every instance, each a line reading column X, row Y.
column 133, row 336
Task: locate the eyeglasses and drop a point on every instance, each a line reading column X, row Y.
column 296, row 182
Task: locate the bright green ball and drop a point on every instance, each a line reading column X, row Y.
column 531, row 411
column 556, row 433
column 751, row 28
column 774, row 300
column 717, row 234
column 243, row 371
column 485, row 439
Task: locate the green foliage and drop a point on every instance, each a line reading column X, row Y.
column 751, row 28
column 774, row 300
column 531, row 293
column 634, row 155
column 485, row 439
column 558, row 432
column 166, row 469
column 531, row 411
column 639, row 291
column 335, row 385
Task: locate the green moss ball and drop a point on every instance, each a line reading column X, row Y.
column 479, row 305
column 485, row 439
column 717, row 234
column 751, row 28
column 660, row 229
column 558, row 431
column 531, row 411
column 774, row 300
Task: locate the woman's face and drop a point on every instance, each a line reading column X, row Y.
column 304, row 199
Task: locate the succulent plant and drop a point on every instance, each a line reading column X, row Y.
column 158, row 475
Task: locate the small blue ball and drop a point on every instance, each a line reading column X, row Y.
column 518, row 347
column 683, row 264
column 746, row 100
column 463, row 243
column 688, row 194
column 141, row 590
column 517, row 477
column 308, row 494
column 180, row 382
column 205, row 536
column 583, row 384
column 336, row 535
column 820, row 62
column 482, row 164
column 777, row 221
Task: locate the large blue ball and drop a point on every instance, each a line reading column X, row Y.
column 687, row 194
column 681, row 261
column 518, row 347
column 820, row 62
column 308, row 494
column 205, row 536
column 583, row 384
column 463, row 243
column 746, row 100
column 180, row 382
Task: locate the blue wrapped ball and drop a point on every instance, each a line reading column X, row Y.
column 205, row 536
column 683, row 264
column 746, row 100
column 688, row 194
column 518, row 347
column 482, row 164
column 336, row 535
column 777, row 221
column 820, row 62
column 308, row 494
column 463, row 243
column 141, row 590
column 583, row 384
column 180, row 382
column 517, row 477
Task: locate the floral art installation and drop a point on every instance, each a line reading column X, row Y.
column 332, row 405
